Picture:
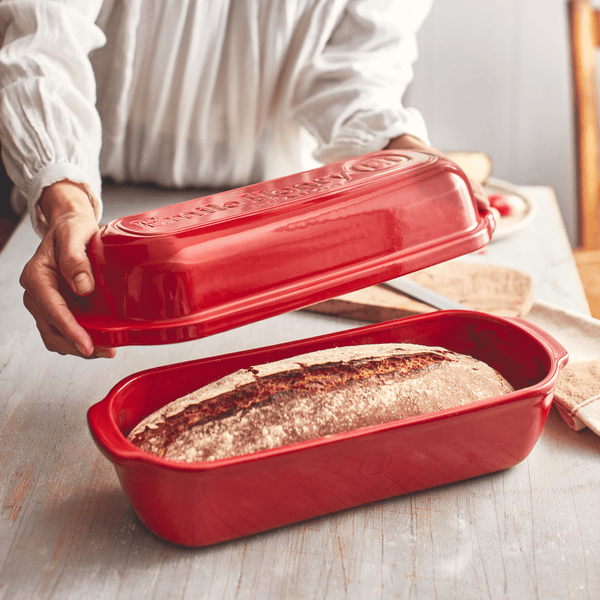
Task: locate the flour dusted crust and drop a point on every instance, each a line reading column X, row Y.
column 314, row 395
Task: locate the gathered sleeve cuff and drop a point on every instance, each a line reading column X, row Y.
column 49, row 127
column 350, row 96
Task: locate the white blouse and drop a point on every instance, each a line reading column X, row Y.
column 198, row 93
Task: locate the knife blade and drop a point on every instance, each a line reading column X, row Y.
column 422, row 294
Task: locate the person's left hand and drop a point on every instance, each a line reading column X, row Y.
column 409, row 142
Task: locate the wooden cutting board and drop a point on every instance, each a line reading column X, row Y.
column 496, row 290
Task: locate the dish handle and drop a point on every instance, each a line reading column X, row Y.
column 557, row 350
column 107, row 436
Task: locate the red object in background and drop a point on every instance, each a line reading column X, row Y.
column 501, row 203
column 197, row 504
column 207, row 265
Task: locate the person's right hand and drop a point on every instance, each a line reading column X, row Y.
column 61, row 255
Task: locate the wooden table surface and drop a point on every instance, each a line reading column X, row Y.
column 67, row 530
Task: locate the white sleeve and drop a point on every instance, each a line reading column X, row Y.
column 350, row 96
column 49, row 127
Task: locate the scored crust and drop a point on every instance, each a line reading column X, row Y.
column 314, row 395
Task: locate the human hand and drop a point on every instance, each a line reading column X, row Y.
column 61, row 256
column 408, row 142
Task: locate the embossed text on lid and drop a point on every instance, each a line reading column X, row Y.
column 226, row 205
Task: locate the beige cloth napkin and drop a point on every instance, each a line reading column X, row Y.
column 577, row 395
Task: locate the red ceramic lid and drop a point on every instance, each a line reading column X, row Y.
column 193, row 269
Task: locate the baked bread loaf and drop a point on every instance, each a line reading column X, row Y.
column 314, row 395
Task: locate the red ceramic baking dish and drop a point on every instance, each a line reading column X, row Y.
column 196, row 504
column 193, row 269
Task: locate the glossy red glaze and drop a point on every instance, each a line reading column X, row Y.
column 196, row 504
column 211, row 264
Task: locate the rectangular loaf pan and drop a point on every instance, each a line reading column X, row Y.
column 198, row 504
column 211, row 264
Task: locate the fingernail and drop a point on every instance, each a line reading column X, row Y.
column 81, row 349
column 83, row 283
